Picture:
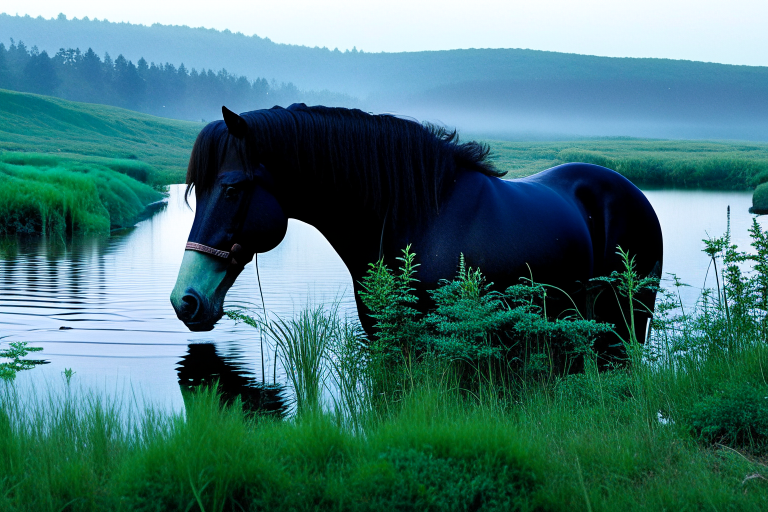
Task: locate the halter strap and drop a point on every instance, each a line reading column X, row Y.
column 194, row 246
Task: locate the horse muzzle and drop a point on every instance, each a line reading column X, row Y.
column 197, row 313
column 202, row 284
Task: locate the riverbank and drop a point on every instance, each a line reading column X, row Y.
column 63, row 196
column 613, row 441
column 30, row 123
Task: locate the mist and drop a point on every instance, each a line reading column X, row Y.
column 501, row 93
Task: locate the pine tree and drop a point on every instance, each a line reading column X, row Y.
column 5, row 72
column 39, row 75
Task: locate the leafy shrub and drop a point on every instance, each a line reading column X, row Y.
column 736, row 416
column 472, row 328
column 760, row 199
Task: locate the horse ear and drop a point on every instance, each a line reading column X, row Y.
column 235, row 124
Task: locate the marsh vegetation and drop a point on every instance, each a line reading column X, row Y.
column 59, row 197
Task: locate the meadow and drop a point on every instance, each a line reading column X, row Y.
column 721, row 165
column 43, row 124
column 435, row 418
column 75, row 168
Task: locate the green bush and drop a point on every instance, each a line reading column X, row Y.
column 760, row 199
column 473, row 330
column 736, row 416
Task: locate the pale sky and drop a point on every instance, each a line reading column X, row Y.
column 726, row 31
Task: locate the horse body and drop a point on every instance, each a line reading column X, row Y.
column 560, row 227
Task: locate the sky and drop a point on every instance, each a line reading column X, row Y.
column 725, row 31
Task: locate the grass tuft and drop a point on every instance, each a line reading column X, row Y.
column 54, row 196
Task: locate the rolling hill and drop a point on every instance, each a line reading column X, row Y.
column 83, row 131
column 498, row 91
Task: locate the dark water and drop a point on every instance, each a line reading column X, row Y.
column 120, row 334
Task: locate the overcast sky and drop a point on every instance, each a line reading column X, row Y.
column 727, row 31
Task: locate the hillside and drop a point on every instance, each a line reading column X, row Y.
column 43, row 124
column 503, row 91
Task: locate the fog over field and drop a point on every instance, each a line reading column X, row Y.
column 510, row 93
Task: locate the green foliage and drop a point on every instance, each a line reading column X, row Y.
column 592, row 388
column 53, row 196
column 738, row 312
column 314, row 347
column 390, row 297
column 419, row 480
column 16, row 353
column 685, row 429
column 469, row 319
column 735, row 416
column 760, row 199
column 471, row 329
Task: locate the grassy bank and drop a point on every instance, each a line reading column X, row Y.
column 683, row 425
column 43, row 124
column 652, row 163
column 60, row 196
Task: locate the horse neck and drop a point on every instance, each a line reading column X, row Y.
column 350, row 224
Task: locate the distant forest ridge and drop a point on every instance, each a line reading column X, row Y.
column 159, row 89
column 482, row 90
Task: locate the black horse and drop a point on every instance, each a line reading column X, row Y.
column 371, row 184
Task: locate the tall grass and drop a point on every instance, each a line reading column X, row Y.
column 720, row 165
column 59, row 197
column 682, row 426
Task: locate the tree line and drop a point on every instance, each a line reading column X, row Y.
column 159, row 89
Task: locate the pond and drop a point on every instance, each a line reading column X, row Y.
column 101, row 307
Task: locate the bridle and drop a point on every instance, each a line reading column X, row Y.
column 257, row 174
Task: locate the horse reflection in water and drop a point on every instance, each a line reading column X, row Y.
column 203, row 366
column 372, row 184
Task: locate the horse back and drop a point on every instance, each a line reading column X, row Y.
column 616, row 212
column 559, row 227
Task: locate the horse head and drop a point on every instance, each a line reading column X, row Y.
column 237, row 215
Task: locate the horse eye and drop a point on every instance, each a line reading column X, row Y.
column 230, row 192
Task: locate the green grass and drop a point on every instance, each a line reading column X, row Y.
column 684, row 427
column 575, row 446
column 653, row 163
column 60, row 196
column 43, row 124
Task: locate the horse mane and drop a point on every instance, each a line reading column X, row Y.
column 396, row 164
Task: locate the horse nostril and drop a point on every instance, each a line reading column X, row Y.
column 190, row 306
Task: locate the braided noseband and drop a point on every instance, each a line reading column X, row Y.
column 194, row 246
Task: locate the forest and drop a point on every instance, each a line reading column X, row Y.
column 509, row 93
column 160, row 89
